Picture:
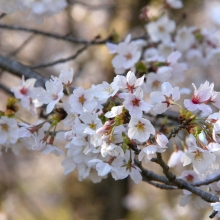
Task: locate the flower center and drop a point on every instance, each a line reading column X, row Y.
column 4, row 127
column 108, row 89
column 54, row 96
column 140, row 126
column 82, row 99
column 198, row 155
column 130, row 88
column 161, row 28
column 135, row 102
column 23, row 90
column 169, row 100
column 189, row 178
column 156, row 84
column 92, row 126
column 195, row 99
column 128, row 56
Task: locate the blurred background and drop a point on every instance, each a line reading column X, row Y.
column 32, row 185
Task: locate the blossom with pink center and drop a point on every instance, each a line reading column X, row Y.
column 128, row 54
column 52, row 94
column 130, row 82
column 134, row 103
column 26, row 91
column 189, row 176
column 168, row 96
column 201, row 96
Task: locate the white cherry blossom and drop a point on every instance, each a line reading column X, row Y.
column 134, row 103
column 128, row 54
column 200, row 98
column 8, row 130
column 140, row 129
column 161, row 29
column 168, row 96
column 52, row 94
column 82, row 100
column 201, row 159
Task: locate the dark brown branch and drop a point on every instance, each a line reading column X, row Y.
column 53, row 63
column 16, row 51
column 151, row 176
column 6, row 89
column 2, row 15
column 176, row 130
column 161, row 186
column 19, row 69
column 181, row 184
column 51, row 35
column 208, row 181
column 214, row 213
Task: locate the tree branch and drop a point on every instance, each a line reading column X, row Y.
column 161, row 186
column 51, row 35
column 208, row 181
column 181, row 184
column 61, row 60
column 6, row 89
column 19, row 69
column 176, row 130
column 16, row 51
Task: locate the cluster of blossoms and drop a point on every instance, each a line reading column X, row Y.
column 35, row 9
column 110, row 128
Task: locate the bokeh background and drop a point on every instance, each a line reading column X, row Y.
column 32, row 185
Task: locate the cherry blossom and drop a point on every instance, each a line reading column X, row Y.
column 82, row 100
column 201, row 159
column 52, row 94
column 168, row 96
column 8, row 130
column 128, row 54
column 200, row 98
column 130, row 83
column 134, row 103
column 26, row 92
column 140, row 129
column 161, row 29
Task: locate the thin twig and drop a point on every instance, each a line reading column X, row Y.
column 208, row 181
column 6, row 89
column 176, row 130
column 161, row 186
column 214, row 213
column 53, row 63
column 49, row 34
column 16, row 51
column 2, row 15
